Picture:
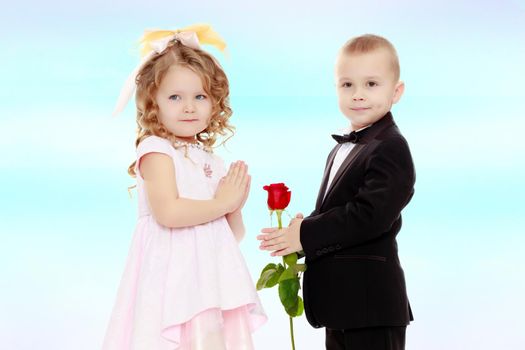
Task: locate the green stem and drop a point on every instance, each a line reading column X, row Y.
column 291, row 332
column 280, row 225
column 279, row 220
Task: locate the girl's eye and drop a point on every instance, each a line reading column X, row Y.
column 347, row 85
column 372, row 84
column 175, row 97
column 200, row 97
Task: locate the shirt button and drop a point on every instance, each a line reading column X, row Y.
column 318, row 252
column 338, row 247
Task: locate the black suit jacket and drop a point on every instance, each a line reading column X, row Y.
column 353, row 277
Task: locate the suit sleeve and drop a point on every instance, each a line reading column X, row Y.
column 387, row 188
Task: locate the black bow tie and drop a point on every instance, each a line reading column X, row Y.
column 352, row 137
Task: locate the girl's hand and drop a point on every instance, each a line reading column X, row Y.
column 247, row 192
column 233, row 188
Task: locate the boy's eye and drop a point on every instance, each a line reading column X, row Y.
column 371, row 84
column 200, row 97
column 346, row 85
column 174, row 97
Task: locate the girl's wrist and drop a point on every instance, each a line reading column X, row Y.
column 222, row 206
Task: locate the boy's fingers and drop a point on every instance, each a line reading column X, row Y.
column 272, row 235
column 269, row 229
column 275, row 246
column 281, row 252
column 267, row 233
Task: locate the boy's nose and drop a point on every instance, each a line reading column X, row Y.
column 357, row 95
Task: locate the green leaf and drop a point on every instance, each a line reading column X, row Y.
column 300, row 308
column 292, row 272
column 288, row 290
column 265, row 277
column 275, row 278
column 297, row 309
column 290, row 259
column 269, row 266
column 292, row 311
column 300, row 268
column 270, row 276
column 287, row 274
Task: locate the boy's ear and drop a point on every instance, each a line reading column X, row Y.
column 398, row 91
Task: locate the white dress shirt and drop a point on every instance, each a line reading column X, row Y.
column 340, row 157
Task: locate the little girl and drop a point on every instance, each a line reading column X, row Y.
column 186, row 285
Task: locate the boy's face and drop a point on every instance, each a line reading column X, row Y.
column 366, row 86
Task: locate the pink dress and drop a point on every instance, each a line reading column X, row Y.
column 184, row 288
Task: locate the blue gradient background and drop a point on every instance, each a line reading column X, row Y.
column 66, row 219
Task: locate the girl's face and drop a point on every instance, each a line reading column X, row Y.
column 184, row 107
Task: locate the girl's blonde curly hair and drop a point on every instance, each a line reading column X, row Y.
column 215, row 84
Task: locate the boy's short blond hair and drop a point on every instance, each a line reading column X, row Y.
column 370, row 42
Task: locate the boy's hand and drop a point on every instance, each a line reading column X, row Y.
column 297, row 216
column 282, row 241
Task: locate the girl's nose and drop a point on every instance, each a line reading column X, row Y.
column 189, row 107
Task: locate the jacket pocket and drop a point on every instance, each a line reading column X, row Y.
column 360, row 257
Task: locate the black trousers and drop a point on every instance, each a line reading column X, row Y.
column 374, row 338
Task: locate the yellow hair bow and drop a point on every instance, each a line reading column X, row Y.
column 157, row 41
column 190, row 36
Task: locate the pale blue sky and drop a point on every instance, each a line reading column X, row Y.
column 66, row 219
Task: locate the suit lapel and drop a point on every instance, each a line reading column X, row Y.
column 326, row 175
column 366, row 136
column 346, row 164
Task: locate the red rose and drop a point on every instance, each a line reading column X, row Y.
column 278, row 196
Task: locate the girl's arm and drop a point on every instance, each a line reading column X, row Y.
column 172, row 211
column 236, row 224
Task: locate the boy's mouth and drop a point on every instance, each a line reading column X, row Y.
column 359, row 109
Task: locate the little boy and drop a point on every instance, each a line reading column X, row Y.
column 354, row 285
